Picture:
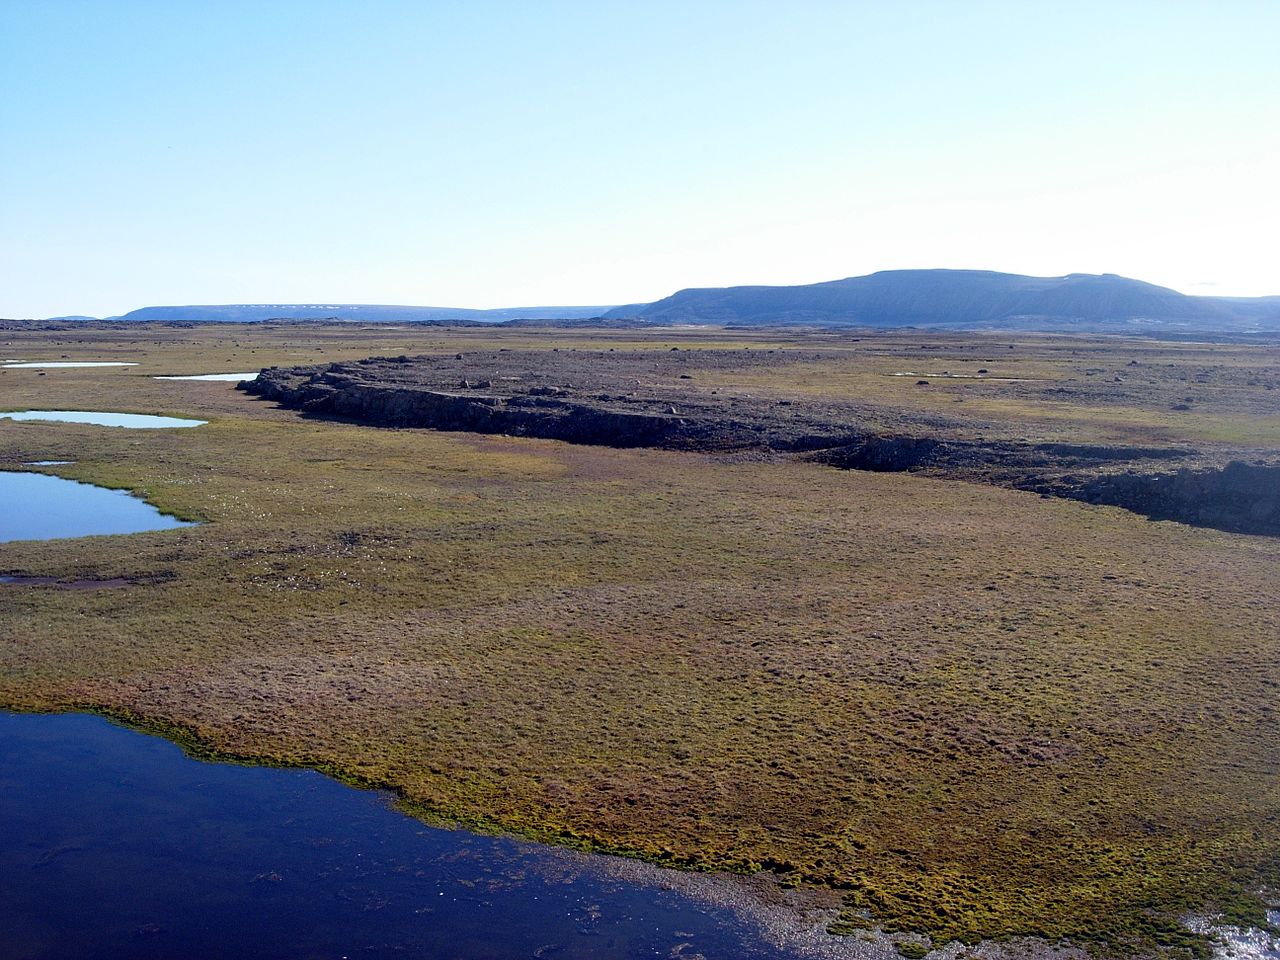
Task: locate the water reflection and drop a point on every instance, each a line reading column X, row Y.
column 47, row 364
column 37, row 506
column 136, row 421
column 227, row 377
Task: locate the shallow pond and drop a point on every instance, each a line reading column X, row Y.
column 44, row 364
column 37, row 506
column 135, row 421
column 116, row 844
column 227, row 377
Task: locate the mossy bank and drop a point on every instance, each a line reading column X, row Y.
column 977, row 712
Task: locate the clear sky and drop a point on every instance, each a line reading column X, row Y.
column 484, row 153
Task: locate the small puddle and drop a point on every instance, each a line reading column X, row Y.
column 38, row 506
column 47, row 463
column 43, row 364
column 135, row 421
column 224, row 377
column 116, row 844
column 968, row 376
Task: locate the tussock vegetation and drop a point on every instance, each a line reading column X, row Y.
column 977, row 712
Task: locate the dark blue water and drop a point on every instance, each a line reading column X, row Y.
column 115, row 845
column 36, row 506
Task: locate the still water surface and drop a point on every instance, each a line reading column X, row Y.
column 36, row 506
column 227, row 377
column 136, row 421
column 117, row 845
column 42, row 364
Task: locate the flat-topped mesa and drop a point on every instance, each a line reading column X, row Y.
column 652, row 399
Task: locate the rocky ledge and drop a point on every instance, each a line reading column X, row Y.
column 642, row 399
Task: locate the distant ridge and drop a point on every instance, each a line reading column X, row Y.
column 948, row 299
column 963, row 299
column 367, row 312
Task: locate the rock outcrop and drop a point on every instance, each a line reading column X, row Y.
column 1241, row 497
column 641, row 399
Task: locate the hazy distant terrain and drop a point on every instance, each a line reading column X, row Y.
column 373, row 313
column 951, row 299
column 963, row 299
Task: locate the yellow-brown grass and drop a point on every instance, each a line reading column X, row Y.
column 979, row 712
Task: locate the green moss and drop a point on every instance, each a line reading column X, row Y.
column 847, row 926
column 707, row 665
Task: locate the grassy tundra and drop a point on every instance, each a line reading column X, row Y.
column 977, row 712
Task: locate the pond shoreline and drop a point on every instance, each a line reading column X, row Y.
column 791, row 919
column 790, row 923
column 45, row 506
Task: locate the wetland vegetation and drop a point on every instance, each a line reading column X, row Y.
column 975, row 712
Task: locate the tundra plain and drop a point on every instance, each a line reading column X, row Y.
column 978, row 713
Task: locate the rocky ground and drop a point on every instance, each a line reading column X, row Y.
column 663, row 399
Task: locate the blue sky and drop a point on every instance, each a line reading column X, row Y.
column 502, row 153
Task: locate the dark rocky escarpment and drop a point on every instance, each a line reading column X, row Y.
column 1240, row 496
column 647, row 399
column 532, row 414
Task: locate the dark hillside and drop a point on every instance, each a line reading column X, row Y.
column 960, row 299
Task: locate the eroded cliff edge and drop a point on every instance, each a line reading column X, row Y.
column 646, row 398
